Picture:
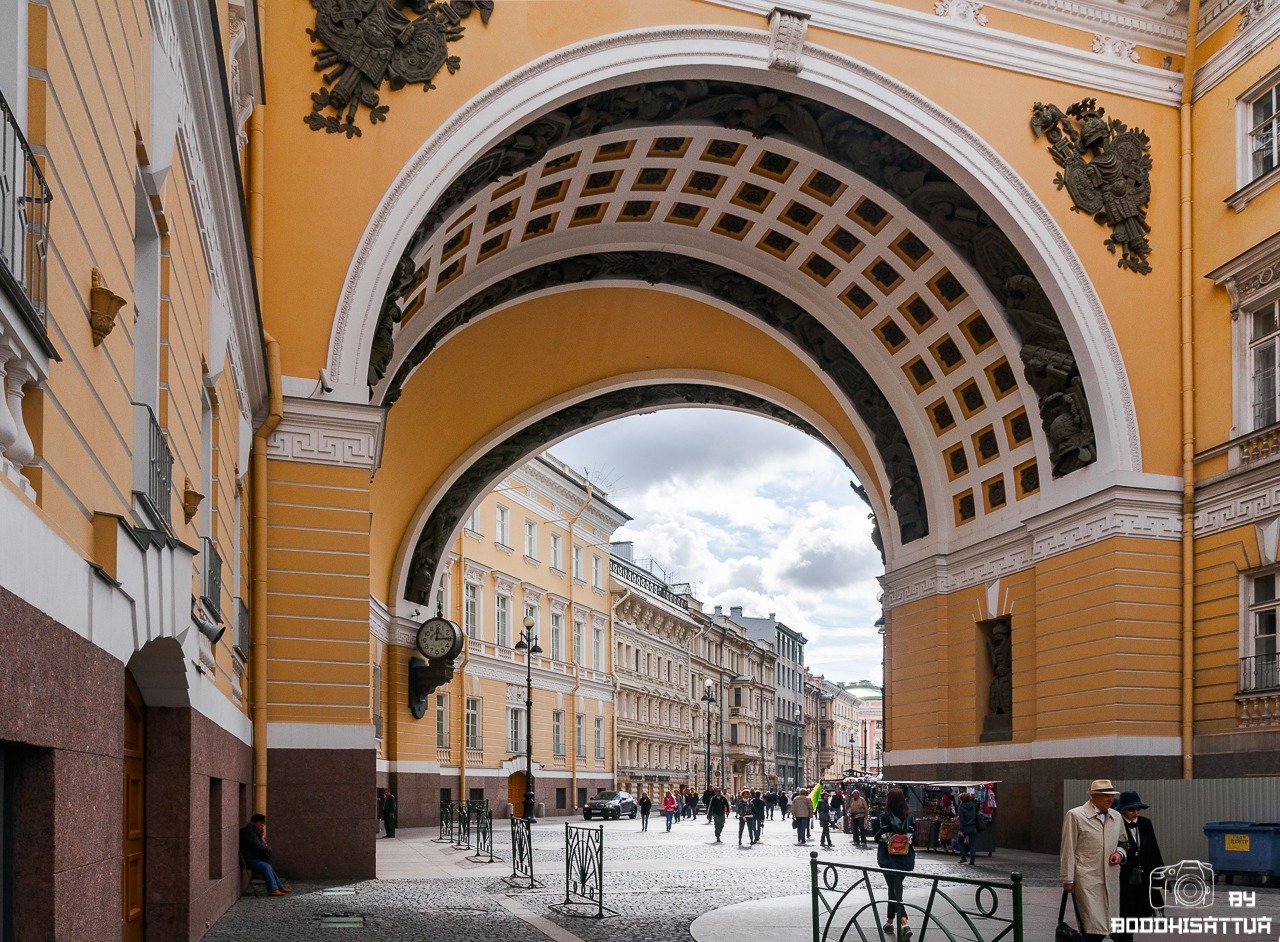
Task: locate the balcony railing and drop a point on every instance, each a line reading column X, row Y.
column 25, row 200
column 153, row 471
column 1259, row 672
column 210, row 577
column 648, row 583
column 242, row 628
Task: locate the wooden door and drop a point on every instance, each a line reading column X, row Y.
column 515, row 792
column 133, row 834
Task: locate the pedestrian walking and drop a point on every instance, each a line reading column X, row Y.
column 967, row 827
column 858, row 812
column 1138, row 898
column 896, row 854
column 669, row 807
column 645, row 804
column 837, row 806
column 757, row 810
column 718, row 810
column 1092, row 850
column 824, row 821
column 690, row 803
column 802, row 815
column 784, row 804
column 679, row 796
column 706, row 802
column 746, row 817
column 389, row 812
column 770, row 802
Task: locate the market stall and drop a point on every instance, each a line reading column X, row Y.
column 934, row 806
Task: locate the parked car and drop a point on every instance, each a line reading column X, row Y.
column 611, row 805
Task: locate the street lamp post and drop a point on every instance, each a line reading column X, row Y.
column 709, row 699
column 528, row 643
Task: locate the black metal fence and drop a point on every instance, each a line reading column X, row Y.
column 446, row 823
column 851, row 902
column 462, row 825
column 584, row 873
column 482, row 828
column 25, row 199
column 522, row 855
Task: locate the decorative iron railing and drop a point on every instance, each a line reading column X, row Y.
column 210, row 577
column 648, row 583
column 446, row 823
column 584, row 873
column 1259, row 672
column 25, row 200
column 462, row 826
column 242, row 628
column 482, row 826
column 522, row 855
column 851, row 902
column 153, row 480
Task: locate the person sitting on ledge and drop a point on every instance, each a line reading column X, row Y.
column 257, row 854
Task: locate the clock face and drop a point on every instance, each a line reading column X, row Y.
column 439, row 639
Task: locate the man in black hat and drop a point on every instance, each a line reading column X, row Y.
column 1142, row 859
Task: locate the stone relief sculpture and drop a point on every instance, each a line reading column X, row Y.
column 834, row 135
column 362, row 44
column 998, row 724
column 1114, row 184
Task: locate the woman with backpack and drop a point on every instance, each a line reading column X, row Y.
column 895, row 839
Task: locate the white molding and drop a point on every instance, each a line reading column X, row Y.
column 961, row 11
column 318, row 431
column 1166, row 33
column 1118, row 511
column 901, row 26
column 1110, row 47
column 321, row 736
column 786, row 40
column 1129, row 746
column 1237, row 500
column 1262, row 31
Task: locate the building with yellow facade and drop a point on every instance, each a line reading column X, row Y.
column 274, row 320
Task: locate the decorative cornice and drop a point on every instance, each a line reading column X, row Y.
column 473, row 573
column 503, row 583
column 1237, row 500
column 1109, row 47
column 533, row 594
column 1263, row 29
column 961, row 11
column 1117, row 511
column 786, row 40
column 1251, row 276
column 321, row 432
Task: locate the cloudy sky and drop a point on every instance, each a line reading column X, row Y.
column 753, row 513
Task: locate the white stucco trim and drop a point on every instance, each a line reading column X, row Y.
column 671, row 52
column 321, row 736
column 1087, row 746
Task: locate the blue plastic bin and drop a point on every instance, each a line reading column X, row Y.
column 1243, row 847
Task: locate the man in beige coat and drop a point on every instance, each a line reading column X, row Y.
column 1093, row 847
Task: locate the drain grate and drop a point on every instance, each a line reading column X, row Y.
column 339, row 891
column 344, row 921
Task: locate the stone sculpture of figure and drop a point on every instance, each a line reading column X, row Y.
column 1000, row 647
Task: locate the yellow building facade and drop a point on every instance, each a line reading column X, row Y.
column 265, row 354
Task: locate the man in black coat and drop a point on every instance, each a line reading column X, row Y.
column 256, row 853
column 389, row 812
column 1143, row 857
column 718, row 810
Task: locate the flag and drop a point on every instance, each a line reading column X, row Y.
column 815, row 795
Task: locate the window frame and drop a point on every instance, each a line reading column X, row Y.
column 473, row 718
column 1268, row 86
column 442, row 721
column 502, row 619
column 1249, row 610
column 531, row 539
column 598, row 733
column 472, row 599
column 597, row 572
column 557, row 733
column 557, row 636
column 577, row 563
column 502, row 526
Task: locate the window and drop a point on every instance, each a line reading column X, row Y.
column 473, row 723
column 597, row 572
column 562, row 799
column 502, row 531
column 557, row 733
column 472, row 522
column 515, row 730
column 1258, row 666
column 737, row 696
column 531, row 611
column 599, row 737
column 597, row 648
column 1264, row 118
column 502, row 620
column 471, row 609
column 1264, row 348
column 557, row 552
column 579, row 738
column 557, row 636
column 733, row 734
column 531, row 539
column 577, row 642
column 577, row 563
column 582, row 797
column 442, row 721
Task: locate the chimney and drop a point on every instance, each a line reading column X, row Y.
column 719, row 610
column 624, row 550
column 773, row 616
column 735, row 611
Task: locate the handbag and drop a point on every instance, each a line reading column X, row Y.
column 899, row 845
column 795, row 822
column 1064, row 932
column 981, row 824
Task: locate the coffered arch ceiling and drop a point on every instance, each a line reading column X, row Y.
column 887, row 274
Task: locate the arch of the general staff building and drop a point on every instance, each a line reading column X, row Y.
column 637, row 215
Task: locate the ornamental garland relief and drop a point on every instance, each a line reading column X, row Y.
column 364, row 44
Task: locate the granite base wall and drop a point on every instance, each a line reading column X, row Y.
column 321, row 815
column 418, row 793
column 1031, row 803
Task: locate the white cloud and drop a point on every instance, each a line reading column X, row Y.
column 753, row 513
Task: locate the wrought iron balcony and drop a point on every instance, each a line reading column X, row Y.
column 1259, row 672
column 644, row 581
column 210, row 577
column 153, row 471
column 242, row 628
column 25, row 201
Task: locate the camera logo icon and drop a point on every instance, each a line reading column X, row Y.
column 1188, row 883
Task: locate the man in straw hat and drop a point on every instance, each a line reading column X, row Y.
column 1093, row 847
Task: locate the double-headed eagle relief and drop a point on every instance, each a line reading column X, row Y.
column 1114, row 186
column 363, row 43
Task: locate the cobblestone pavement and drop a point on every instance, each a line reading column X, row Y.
column 658, row 883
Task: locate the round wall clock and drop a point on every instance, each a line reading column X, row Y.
column 439, row 639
